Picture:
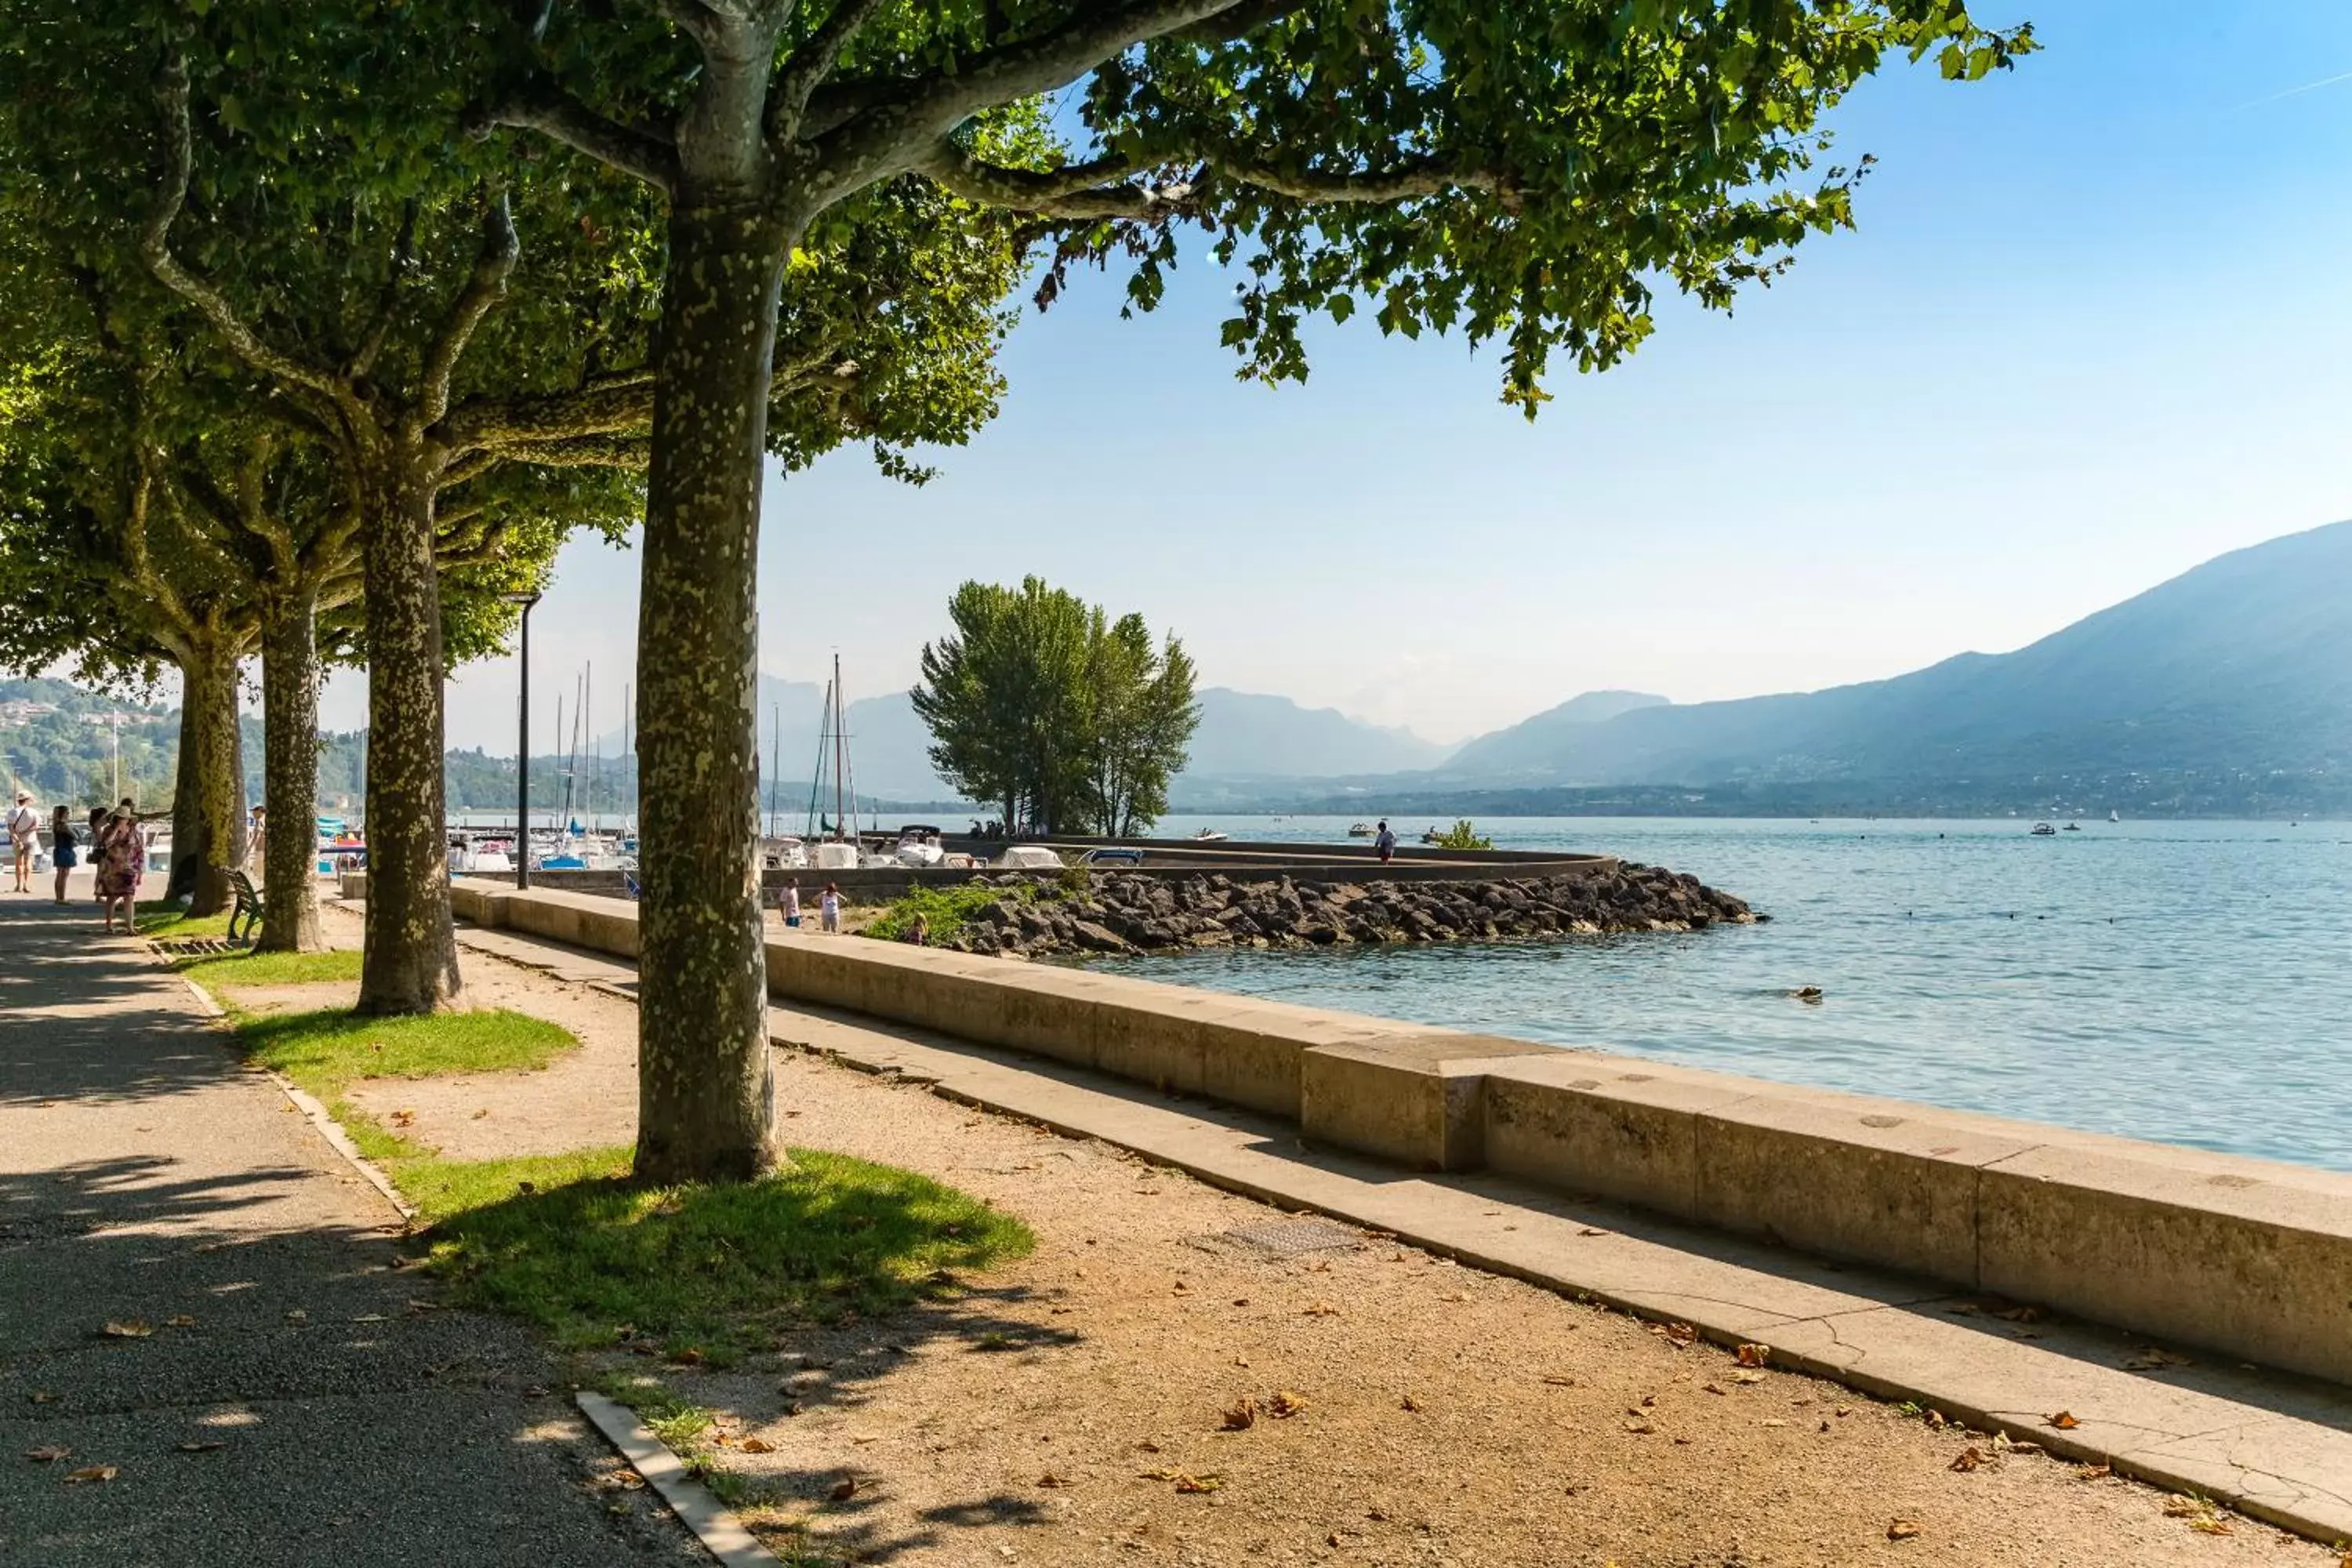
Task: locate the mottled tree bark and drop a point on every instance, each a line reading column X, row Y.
column 289, row 713
column 411, row 963
column 704, row 1110
column 208, row 809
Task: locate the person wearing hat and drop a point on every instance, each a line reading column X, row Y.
column 24, row 834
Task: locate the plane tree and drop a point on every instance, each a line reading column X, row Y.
column 432, row 326
column 1526, row 173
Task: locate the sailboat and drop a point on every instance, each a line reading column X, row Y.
column 838, row 844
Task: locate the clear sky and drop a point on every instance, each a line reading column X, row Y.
column 2093, row 329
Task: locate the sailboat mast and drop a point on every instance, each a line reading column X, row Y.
column 628, row 759
column 587, row 712
column 837, row 745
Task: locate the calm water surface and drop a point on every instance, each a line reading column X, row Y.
column 2188, row 981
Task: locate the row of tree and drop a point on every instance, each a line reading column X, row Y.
column 1074, row 722
column 324, row 322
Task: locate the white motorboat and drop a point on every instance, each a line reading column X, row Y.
column 1030, row 857
column 783, row 852
column 2043, row 831
column 920, row 846
column 1209, row 836
column 1360, row 830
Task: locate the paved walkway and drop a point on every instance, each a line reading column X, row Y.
column 292, row 1404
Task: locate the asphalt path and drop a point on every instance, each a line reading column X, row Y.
column 295, row 1397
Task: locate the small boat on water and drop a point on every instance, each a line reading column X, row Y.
column 2073, row 827
column 2043, row 831
column 1360, row 830
column 1433, row 836
column 2113, row 817
column 1209, row 836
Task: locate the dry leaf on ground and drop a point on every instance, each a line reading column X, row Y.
column 1902, row 1528
column 1285, row 1404
column 1243, row 1415
column 1968, row 1460
column 1753, row 1355
column 47, row 1453
column 1050, row 1480
column 1410, row 1402
column 2064, row 1420
column 128, row 1328
column 844, row 1489
column 757, row 1445
column 2101, row 1473
column 180, row 1320
column 202, row 1445
column 90, row 1473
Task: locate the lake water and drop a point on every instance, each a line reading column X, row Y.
column 2187, row 981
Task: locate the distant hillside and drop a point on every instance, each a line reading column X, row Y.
column 1529, row 746
column 1244, row 735
column 2239, row 668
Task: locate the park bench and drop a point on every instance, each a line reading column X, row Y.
column 249, row 907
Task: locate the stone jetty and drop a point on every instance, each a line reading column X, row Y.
column 1127, row 914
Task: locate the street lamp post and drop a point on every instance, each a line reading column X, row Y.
column 522, row 747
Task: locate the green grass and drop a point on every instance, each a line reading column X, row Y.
column 167, row 918
column 946, row 911
column 571, row 1243
column 225, row 970
column 327, row 1050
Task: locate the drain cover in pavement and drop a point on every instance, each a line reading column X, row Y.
column 1290, row 1237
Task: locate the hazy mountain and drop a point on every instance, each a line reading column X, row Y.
column 2243, row 666
column 1529, row 745
column 1244, row 735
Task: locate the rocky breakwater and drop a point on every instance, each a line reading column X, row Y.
column 1125, row 914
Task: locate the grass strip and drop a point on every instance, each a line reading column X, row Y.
column 946, row 911
column 571, row 1243
column 327, row 1050
column 169, row 918
column 227, row 971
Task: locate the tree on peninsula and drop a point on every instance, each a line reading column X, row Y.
column 1045, row 704
column 1523, row 171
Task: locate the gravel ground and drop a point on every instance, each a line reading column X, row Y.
column 1119, row 1395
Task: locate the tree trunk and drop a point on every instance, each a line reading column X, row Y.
column 290, row 715
column 411, row 965
column 704, row 1112
column 208, row 807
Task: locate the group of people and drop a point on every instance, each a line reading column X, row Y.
column 113, row 839
column 828, row 905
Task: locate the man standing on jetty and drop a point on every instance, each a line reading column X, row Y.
column 1385, row 842
column 24, row 833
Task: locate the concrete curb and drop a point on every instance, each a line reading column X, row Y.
column 319, row 1118
column 721, row 1535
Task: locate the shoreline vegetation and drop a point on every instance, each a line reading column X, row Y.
column 1118, row 915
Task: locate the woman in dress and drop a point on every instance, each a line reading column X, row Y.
column 121, row 856
column 61, row 848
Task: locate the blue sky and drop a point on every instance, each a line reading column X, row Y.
column 2093, row 329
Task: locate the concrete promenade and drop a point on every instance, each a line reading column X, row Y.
column 288, row 1403
column 2277, row 1447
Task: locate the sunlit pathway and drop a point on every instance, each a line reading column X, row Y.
column 273, row 1394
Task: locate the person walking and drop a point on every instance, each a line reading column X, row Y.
column 121, row 858
column 1385, row 842
column 90, row 838
column 791, row 903
column 828, row 907
column 62, row 853
column 23, row 837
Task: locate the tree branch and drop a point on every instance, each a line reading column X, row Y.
column 1421, row 177
column 155, row 250
column 483, row 289
column 544, row 106
column 1097, row 189
column 805, row 70
column 364, row 358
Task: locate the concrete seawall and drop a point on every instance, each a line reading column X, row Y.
column 2245, row 1257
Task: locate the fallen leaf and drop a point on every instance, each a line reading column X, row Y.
column 42, row 1397
column 47, row 1453
column 1902, row 1530
column 1588, row 1230
column 1243, row 1415
column 1050, row 1480
column 2153, row 1359
column 1558, row 1381
column 180, row 1320
column 1772, row 1423
column 1199, row 1483
column 2022, row 1314
column 1678, row 1334
column 90, row 1473
column 128, row 1328
column 2064, row 1420
column 1640, row 1428
column 2210, row 1525
column 844, row 1489
column 1285, row 1404
column 1935, row 1419
column 2094, row 1472
column 1753, row 1355
column 626, row 1480
column 1410, row 1402
column 1968, row 1460
column 1149, row 1447
column 2184, row 1508
column 1320, row 1310
column 1711, row 1388
column 757, row 1445
column 369, row 1318
column 297, row 1316
column 202, row 1445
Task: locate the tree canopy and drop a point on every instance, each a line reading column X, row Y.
column 1072, row 720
